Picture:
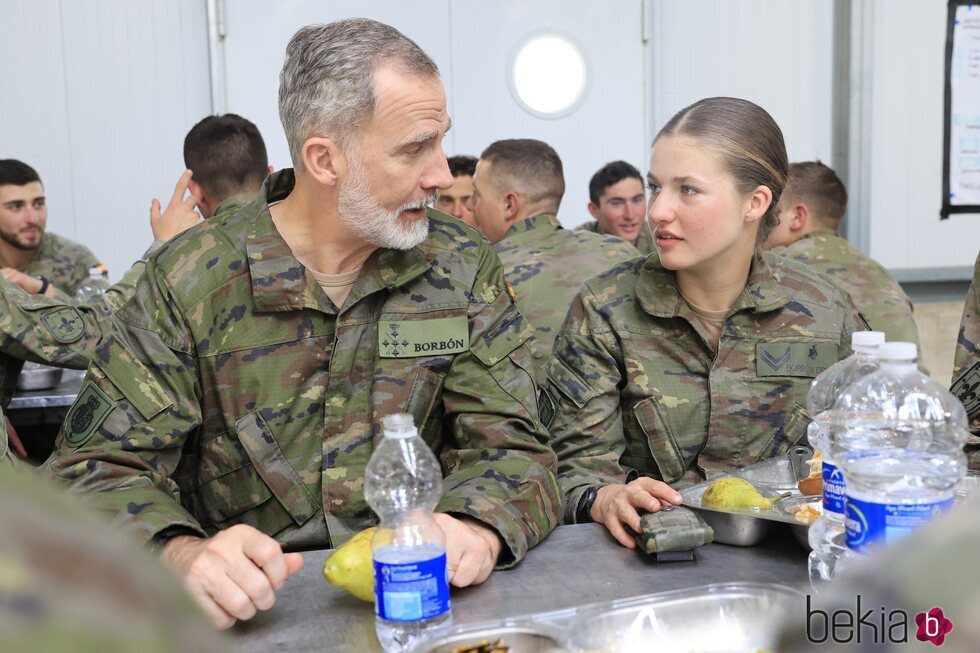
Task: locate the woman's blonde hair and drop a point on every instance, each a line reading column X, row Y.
column 750, row 142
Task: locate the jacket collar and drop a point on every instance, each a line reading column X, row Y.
column 281, row 283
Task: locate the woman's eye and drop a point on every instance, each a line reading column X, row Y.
column 653, row 188
column 687, row 190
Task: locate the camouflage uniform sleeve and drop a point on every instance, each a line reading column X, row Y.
column 498, row 464
column 123, row 290
column 966, row 364
column 44, row 330
column 123, row 438
column 581, row 402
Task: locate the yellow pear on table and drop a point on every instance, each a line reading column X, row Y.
column 735, row 493
column 351, row 568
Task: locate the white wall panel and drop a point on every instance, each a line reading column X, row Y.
column 771, row 52
column 105, row 92
column 906, row 142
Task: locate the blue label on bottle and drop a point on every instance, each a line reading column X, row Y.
column 411, row 591
column 871, row 525
column 833, row 488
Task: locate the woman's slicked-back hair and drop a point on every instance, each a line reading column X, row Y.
column 749, row 141
column 326, row 87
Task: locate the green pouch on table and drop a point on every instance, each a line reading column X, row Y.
column 674, row 529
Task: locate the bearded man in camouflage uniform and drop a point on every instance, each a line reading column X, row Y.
column 810, row 212
column 517, row 188
column 233, row 409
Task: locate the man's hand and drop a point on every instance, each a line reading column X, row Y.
column 616, row 505
column 179, row 214
column 13, row 440
column 27, row 282
column 233, row 574
column 471, row 549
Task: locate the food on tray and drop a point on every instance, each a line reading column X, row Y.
column 735, row 493
column 807, row 513
column 483, row 646
column 350, row 567
column 813, row 484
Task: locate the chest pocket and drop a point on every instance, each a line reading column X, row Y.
column 669, row 460
column 423, row 404
column 245, row 478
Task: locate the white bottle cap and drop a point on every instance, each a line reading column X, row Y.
column 399, row 426
column 867, row 339
column 898, row 351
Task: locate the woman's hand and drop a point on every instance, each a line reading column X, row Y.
column 616, row 505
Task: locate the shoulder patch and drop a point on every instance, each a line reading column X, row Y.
column 64, row 324
column 794, row 358
column 86, row 415
column 966, row 388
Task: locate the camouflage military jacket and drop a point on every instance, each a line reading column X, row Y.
column 966, row 364
column 546, row 264
column 644, row 242
column 64, row 262
column 232, row 390
column 634, row 389
column 876, row 294
column 50, row 331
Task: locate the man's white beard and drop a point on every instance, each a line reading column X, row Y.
column 372, row 222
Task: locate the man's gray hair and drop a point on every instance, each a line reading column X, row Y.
column 326, row 85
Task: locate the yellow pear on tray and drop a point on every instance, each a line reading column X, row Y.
column 351, row 567
column 732, row 493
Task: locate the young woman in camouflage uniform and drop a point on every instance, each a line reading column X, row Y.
column 696, row 359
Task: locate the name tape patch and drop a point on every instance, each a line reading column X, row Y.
column 412, row 338
column 794, row 358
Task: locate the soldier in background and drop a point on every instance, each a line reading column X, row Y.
column 517, row 189
column 617, row 201
column 231, row 412
column 40, row 261
column 228, row 157
column 966, row 364
column 810, row 213
column 698, row 359
column 455, row 199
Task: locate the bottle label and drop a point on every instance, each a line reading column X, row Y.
column 833, row 488
column 872, row 525
column 411, row 591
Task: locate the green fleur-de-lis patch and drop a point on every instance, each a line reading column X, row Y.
column 967, row 388
column 432, row 337
column 64, row 324
column 86, row 415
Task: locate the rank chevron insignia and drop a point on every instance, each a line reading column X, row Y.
column 775, row 362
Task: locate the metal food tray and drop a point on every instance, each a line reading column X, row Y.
column 799, row 526
column 720, row 618
column 750, row 526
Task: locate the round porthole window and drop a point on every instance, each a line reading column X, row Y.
column 548, row 75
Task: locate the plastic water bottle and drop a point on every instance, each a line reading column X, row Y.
column 95, row 286
column 826, row 535
column 898, row 437
column 403, row 484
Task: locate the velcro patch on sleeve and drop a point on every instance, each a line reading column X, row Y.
column 86, row 414
column 966, row 388
column 64, row 324
column 783, row 358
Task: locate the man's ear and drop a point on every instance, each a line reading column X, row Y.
column 324, row 160
column 593, row 210
column 203, row 203
column 513, row 206
column 801, row 217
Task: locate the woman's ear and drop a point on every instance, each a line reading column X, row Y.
column 758, row 203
